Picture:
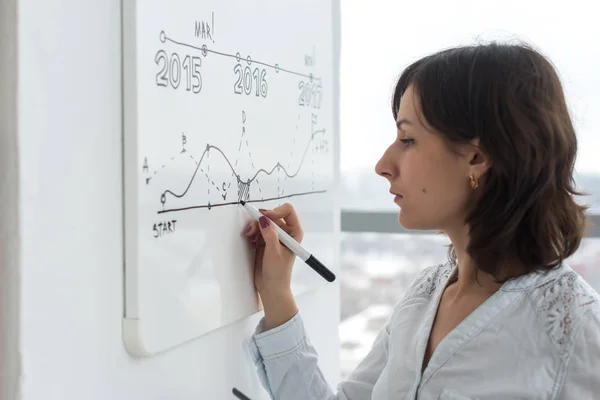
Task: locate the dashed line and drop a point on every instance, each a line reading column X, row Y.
column 209, row 180
column 259, row 189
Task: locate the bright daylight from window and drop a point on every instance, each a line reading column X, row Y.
column 378, row 40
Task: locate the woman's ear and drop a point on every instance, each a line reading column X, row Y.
column 479, row 161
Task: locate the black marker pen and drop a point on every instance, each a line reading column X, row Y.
column 294, row 246
column 239, row 394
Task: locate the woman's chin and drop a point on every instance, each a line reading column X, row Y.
column 408, row 222
column 405, row 221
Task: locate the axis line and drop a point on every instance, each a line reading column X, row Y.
column 209, row 206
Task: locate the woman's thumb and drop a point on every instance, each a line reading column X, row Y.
column 269, row 234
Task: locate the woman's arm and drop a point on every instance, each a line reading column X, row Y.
column 286, row 361
column 287, row 365
column 582, row 376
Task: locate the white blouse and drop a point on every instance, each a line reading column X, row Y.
column 538, row 337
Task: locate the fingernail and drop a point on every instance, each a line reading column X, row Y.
column 262, row 210
column 264, row 221
column 247, row 228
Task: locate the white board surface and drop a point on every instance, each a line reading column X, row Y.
column 223, row 101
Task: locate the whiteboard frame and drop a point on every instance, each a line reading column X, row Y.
column 131, row 327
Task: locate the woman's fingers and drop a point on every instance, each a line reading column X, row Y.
column 252, row 227
column 287, row 213
column 254, row 236
column 284, row 216
column 249, row 229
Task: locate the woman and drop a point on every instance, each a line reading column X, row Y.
column 484, row 153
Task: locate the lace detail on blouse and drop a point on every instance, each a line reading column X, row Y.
column 428, row 281
column 562, row 304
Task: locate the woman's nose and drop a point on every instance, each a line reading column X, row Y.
column 384, row 167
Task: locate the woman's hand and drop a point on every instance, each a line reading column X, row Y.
column 273, row 262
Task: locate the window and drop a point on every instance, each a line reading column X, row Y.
column 380, row 39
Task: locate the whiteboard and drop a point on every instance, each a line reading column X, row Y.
column 223, row 101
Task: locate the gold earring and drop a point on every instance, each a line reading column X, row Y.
column 474, row 182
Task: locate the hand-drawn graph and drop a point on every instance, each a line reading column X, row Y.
column 219, row 109
column 243, row 186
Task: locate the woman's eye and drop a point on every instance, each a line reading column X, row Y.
column 407, row 141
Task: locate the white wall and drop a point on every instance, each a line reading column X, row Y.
column 69, row 139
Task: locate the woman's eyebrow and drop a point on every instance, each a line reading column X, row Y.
column 401, row 122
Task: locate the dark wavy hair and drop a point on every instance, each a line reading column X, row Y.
column 511, row 98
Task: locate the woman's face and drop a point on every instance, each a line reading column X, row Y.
column 431, row 181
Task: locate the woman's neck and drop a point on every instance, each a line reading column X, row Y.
column 471, row 279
